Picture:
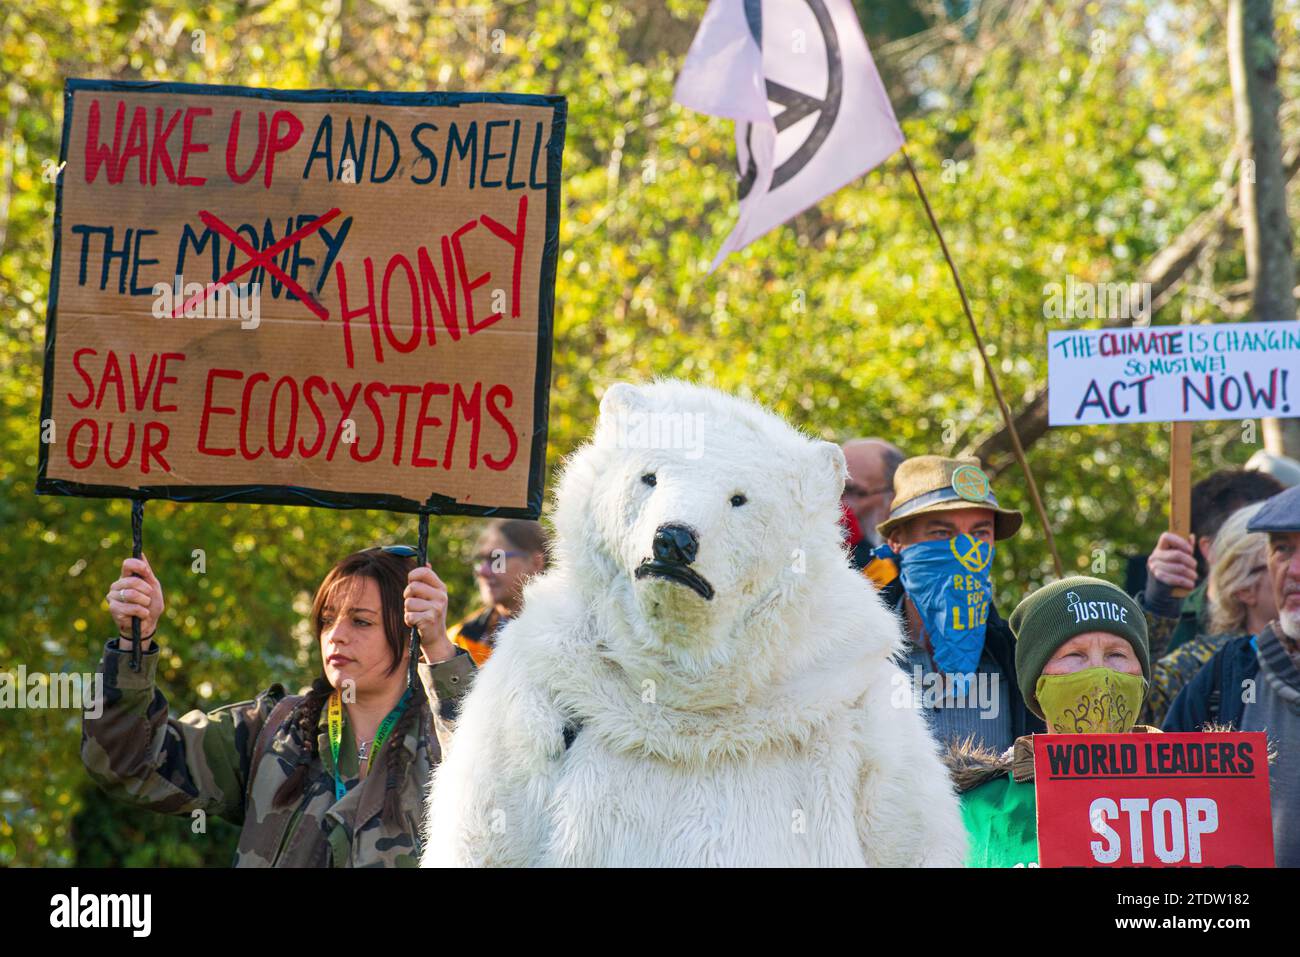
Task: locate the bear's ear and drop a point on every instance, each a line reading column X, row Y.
column 620, row 401
column 621, row 396
column 824, row 475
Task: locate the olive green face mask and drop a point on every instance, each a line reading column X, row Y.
column 1092, row 701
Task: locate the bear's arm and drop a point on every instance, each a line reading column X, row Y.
column 908, row 811
column 487, row 799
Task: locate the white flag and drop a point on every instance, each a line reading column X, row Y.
column 811, row 112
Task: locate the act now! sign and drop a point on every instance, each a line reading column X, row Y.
column 1153, row 800
column 1174, row 373
column 322, row 297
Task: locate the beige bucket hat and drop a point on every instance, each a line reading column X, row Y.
column 933, row 483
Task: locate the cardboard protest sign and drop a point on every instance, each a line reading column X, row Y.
column 329, row 298
column 1153, row 800
column 1173, row 373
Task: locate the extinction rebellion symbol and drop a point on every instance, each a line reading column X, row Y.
column 973, row 554
column 813, row 63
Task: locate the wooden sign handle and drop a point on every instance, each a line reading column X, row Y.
column 1180, row 484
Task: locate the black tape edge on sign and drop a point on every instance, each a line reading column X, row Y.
column 546, row 308
column 280, row 495
column 382, row 97
column 298, row 495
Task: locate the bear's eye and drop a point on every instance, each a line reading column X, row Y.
column 738, row 500
column 649, row 479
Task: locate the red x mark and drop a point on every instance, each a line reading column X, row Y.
column 264, row 258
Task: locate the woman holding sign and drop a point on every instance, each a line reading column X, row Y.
column 333, row 777
column 1083, row 665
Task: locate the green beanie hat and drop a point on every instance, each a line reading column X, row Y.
column 1055, row 613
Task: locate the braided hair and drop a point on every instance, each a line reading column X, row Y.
column 389, row 572
column 398, row 757
column 304, row 721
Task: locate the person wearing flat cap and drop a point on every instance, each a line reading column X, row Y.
column 1082, row 665
column 935, row 572
column 1253, row 683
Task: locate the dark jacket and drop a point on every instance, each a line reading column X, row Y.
column 1001, row 645
column 1214, row 695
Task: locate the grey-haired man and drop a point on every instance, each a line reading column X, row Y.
column 1253, row 682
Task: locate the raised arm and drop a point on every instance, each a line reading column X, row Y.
column 139, row 754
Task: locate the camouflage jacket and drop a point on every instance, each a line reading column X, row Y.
column 1175, row 671
column 140, row 755
column 1160, row 631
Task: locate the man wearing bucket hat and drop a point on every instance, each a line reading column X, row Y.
column 1082, row 663
column 934, row 570
column 1253, row 683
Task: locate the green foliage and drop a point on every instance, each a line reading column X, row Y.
column 1065, row 160
column 108, row 834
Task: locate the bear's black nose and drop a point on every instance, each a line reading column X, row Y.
column 675, row 543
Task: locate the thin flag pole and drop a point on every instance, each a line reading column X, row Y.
column 988, row 366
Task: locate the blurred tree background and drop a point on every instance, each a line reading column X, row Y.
column 1055, row 138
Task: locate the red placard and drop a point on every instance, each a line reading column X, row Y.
column 1153, row 800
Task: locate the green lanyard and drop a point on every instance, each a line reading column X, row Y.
column 336, row 735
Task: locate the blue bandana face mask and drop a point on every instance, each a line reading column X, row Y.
column 949, row 583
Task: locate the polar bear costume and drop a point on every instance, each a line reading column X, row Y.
column 700, row 678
